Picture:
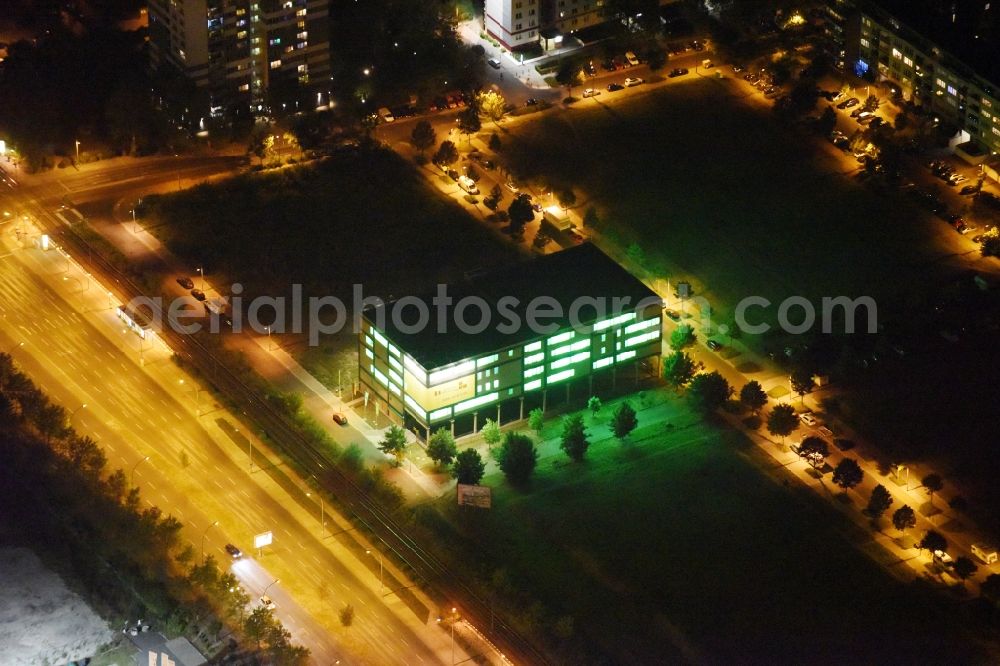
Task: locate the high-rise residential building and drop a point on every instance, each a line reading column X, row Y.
column 941, row 55
column 248, row 52
column 518, row 23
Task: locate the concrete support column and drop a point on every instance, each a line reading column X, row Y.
column 498, row 412
column 590, row 384
column 475, row 422
column 453, row 428
column 545, row 399
column 520, row 415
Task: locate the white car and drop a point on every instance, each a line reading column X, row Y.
column 468, row 185
column 808, row 419
column 630, row 57
column 633, row 81
column 494, row 63
column 591, row 92
column 266, row 602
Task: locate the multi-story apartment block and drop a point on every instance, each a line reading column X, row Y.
column 239, row 51
column 518, row 23
column 939, row 56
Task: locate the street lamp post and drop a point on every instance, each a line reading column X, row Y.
column 131, row 475
column 322, row 509
column 135, row 225
column 9, row 351
column 77, row 151
column 264, row 594
column 73, row 413
column 203, row 535
column 201, row 271
column 380, row 571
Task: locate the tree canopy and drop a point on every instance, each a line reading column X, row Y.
column 517, row 457
column 469, row 467
column 441, row 447
column 624, row 421
column 574, row 437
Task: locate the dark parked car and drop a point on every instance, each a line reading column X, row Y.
column 339, row 419
column 673, row 315
column 608, row 65
column 531, row 101
column 713, row 345
column 233, row 551
column 612, row 87
column 968, row 189
column 185, row 282
column 198, row 294
column 679, row 71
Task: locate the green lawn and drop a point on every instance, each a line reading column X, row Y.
column 721, row 193
column 677, row 545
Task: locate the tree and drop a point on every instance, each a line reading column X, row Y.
column 536, row 418
column 594, row 405
column 933, row 483
column 394, row 443
column 624, row 421
column 870, row 103
column 491, row 433
column 469, row 467
column 752, row 396
column 848, row 473
column 879, row 502
column 446, row 154
column 492, row 104
column 904, row 518
column 709, row 391
column 990, row 587
column 990, row 244
column 656, row 57
column 520, row 213
column 441, row 448
column 813, row 446
column 803, row 96
column 933, row 541
column 683, row 336
column 965, row 568
column 802, row 382
column 468, row 121
column 827, row 121
column 494, row 143
column 517, row 457
column 902, row 121
column 782, row 421
column 257, row 625
column 569, row 74
column 574, row 437
column 678, row 369
column 566, row 198
column 423, row 136
column 346, row 615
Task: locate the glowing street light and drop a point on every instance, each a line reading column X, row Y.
column 203, row 534
column 380, row 570
column 131, row 476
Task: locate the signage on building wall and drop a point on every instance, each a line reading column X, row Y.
column 457, row 390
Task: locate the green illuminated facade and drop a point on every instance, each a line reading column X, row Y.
column 431, row 378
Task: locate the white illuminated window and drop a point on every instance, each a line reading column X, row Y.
column 301, row 12
column 952, row 91
column 907, row 61
column 896, row 54
column 275, row 64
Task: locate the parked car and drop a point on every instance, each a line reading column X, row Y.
column 713, row 345
column 198, row 294
column 631, row 59
column 608, row 65
column 233, row 551
column 339, row 418
column 591, row 92
column 673, row 315
column 968, row 189
column 531, row 101
column 809, row 419
column 633, row 81
column 678, row 71
column 266, row 602
column 848, row 103
column 613, row 87
column 876, row 122
column 186, row 282
column 494, row 63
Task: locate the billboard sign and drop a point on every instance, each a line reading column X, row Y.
column 261, row 540
column 477, row 496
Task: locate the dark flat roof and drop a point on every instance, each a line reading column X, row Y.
column 973, row 37
column 575, row 273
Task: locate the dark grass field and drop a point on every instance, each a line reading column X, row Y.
column 720, row 192
column 361, row 216
column 676, row 546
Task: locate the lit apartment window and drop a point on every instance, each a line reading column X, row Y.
column 907, row 61
column 275, row 64
column 181, row 53
column 896, row 54
column 245, row 87
column 865, row 43
column 300, row 12
column 302, row 35
column 303, row 68
column 952, row 91
column 940, row 82
column 996, row 130
column 241, row 34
